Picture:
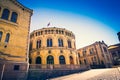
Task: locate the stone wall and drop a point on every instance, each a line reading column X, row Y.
column 16, row 48
column 13, row 71
column 47, row 74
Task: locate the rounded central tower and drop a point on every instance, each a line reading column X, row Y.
column 52, row 46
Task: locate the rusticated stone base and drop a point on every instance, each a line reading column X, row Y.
column 13, row 70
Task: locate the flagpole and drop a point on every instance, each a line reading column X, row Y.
column 48, row 24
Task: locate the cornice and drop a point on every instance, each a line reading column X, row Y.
column 22, row 6
column 50, row 28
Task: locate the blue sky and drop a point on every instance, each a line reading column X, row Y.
column 90, row 20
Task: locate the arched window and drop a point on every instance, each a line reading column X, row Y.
column 38, row 60
column 71, row 60
column 38, row 44
column 69, row 44
column 7, row 37
column 50, row 60
column 31, row 44
column 14, row 17
column 62, row 59
column 49, row 42
column 1, row 33
column 60, row 42
column 5, row 14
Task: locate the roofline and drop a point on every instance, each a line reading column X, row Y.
column 114, row 44
column 16, row 2
column 92, row 44
column 51, row 27
column 86, row 46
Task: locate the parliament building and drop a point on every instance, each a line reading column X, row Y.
column 52, row 45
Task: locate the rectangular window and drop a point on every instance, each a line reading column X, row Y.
column 16, row 67
column 41, row 32
column 36, row 33
column 105, row 49
column 1, row 33
column 84, row 52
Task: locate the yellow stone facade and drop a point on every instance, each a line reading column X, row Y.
column 95, row 54
column 14, row 21
column 52, row 45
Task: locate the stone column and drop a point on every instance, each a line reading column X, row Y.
column 10, row 15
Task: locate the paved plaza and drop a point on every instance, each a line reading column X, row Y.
column 94, row 74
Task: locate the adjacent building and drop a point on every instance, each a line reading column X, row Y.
column 14, row 35
column 96, row 55
column 52, row 45
column 115, row 53
column 14, row 31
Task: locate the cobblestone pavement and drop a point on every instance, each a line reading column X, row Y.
column 113, row 74
column 94, row 74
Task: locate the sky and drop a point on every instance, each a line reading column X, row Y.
column 89, row 20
